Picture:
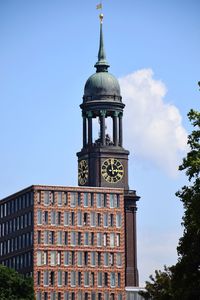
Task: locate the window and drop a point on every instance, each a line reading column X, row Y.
column 86, row 279
column 59, row 198
column 59, row 238
column 112, row 240
column 73, row 278
column 53, row 258
column 111, row 220
column 106, row 296
column 79, row 199
column 45, row 296
column 105, row 239
column 66, row 258
column 59, row 278
column 93, row 258
column 79, row 278
column 66, row 218
column 86, row 296
column 66, row 295
column 112, row 279
column 119, row 260
column 85, row 258
column 99, row 258
column 86, row 238
column 52, row 237
column 112, row 296
column 38, row 277
column 106, row 260
column 72, row 199
column 53, row 296
column 66, row 238
column 79, row 218
column 105, row 219
column 59, row 296
column 92, row 219
column 72, row 258
column 46, row 217
column 99, row 279
column 118, row 239
column 111, row 258
column 80, row 258
column 46, row 198
column 85, row 199
column 105, row 279
column 112, row 200
column 66, row 278
column 72, row 296
column 99, row 203
column 45, row 257
column 79, row 238
column 52, row 197
column 92, row 238
column 53, row 217
column 73, row 238
column 85, row 219
column 59, row 218
column 39, row 258
column 39, row 236
column 118, row 220
column 59, row 258
column 93, row 296
column 98, row 219
column 65, row 199
column 104, row 200
column 46, row 278
column 99, row 239
column 91, row 199
column 39, row 296
column 52, row 278
column 92, row 279
column 99, row 296
column 72, row 218
column 39, row 217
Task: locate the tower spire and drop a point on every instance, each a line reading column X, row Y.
column 102, row 64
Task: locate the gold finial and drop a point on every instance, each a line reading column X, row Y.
column 101, row 18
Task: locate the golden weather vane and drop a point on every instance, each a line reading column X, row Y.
column 100, row 6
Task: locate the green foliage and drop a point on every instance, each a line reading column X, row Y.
column 160, row 287
column 187, row 271
column 14, row 286
column 182, row 281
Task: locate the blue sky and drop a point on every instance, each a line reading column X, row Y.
column 48, row 49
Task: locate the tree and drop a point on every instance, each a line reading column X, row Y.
column 186, row 277
column 182, row 281
column 14, row 286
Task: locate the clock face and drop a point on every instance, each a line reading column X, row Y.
column 112, row 170
column 82, row 172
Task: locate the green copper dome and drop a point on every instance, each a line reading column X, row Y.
column 102, row 85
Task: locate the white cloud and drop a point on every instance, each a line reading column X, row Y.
column 152, row 128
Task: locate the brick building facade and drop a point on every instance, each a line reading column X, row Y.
column 70, row 239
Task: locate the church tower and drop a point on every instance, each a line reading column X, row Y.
column 103, row 161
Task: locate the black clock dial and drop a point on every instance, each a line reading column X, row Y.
column 82, row 172
column 112, row 170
